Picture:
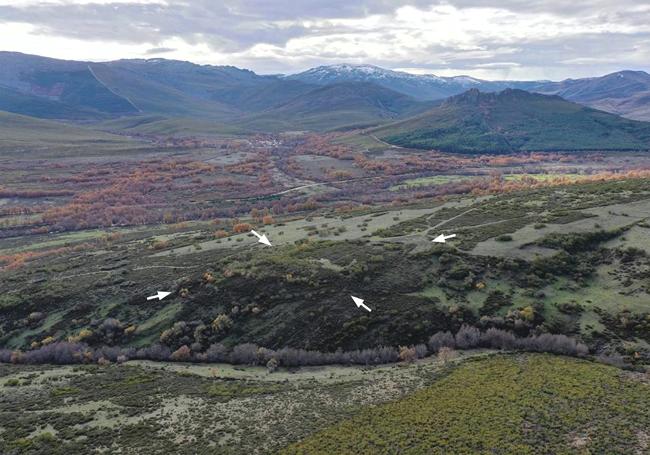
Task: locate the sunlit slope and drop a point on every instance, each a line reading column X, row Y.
column 515, row 120
column 22, row 134
column 508, row 405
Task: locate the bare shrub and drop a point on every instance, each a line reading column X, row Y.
column 245, row 354
column 216, row 353
column 446, row 354
column 468, row 337
column 441, row 339
column 421, row 351
column 272, row 365
column 614, row 359
column 498, row 339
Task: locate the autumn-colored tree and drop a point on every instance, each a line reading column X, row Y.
column 220, row 234
column 182, row 354
column 221, row 324
column 407, row 354
column 241, row 227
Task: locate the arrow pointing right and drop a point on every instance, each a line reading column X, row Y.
column 442, row 238
column 261, row 238
column 160, row 295
column 360, row 303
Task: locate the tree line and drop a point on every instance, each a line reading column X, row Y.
column 467, row 337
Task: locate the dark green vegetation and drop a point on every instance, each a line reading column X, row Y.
column 515, row 120
column 510, row 405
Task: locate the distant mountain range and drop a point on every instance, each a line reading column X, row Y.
column 423, row 87
column 59, row 89
column 514, row 120
column 625, row 93
column 159, row 96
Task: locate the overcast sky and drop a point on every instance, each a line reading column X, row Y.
column 509, row 39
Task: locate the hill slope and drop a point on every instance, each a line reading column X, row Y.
column 338, row 105
column 519, row 404
column 625, row 93
column 515, row 120
column 21, row 134
column 50, row 88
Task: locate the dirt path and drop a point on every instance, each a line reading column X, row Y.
column 166, row 267
column 442, row 223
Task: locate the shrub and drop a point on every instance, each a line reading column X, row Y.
column 468, row 337
column 241, row 227
column 36, row 316
column 445, row 354
column 498, row 339
column 13, row 382
column 407, row 354
column 421, row 351
column 221, row 324
column 441, row 339
column 245, row 354
column 182, row 354
column 272, row 365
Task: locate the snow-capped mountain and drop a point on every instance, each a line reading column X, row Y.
column 421, row 86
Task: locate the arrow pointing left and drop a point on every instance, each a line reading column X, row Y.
column 360, row 304
column 160, row 295
column 442, row 238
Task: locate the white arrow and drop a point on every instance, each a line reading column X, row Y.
column 261, row 238
column 442, row 238
column 161, row 295
column 360, row 303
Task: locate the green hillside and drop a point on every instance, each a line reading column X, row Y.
column 36, row 106
column 163, row 126
column 20, row 134
column 352, row 104
column 154, row 97
column 507, row 405
column 515, row 120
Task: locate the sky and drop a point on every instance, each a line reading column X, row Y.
column 508, row 39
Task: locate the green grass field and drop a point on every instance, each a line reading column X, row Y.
column 507, row 405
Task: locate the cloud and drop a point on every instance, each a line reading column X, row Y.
column 508, row 38
column 159, row 50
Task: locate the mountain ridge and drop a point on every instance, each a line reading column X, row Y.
column 515, row 120
column 50, row 88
